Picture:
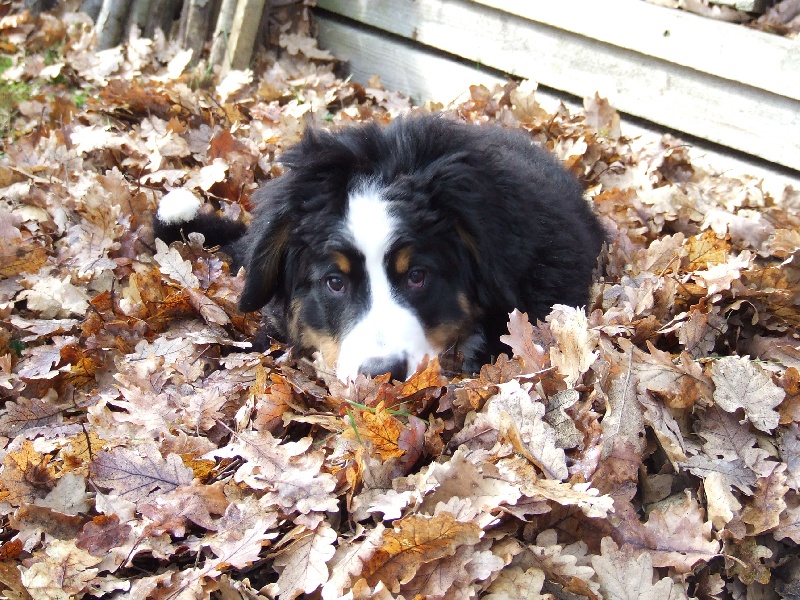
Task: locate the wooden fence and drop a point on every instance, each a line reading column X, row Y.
column 722, row 82
column 232, row 26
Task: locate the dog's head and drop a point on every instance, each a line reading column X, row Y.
column 367, row 248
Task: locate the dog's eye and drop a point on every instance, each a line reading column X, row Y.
column 416, row 278
column 336, row 283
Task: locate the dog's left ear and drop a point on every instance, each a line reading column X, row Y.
column 265, row 247
column 458, row 188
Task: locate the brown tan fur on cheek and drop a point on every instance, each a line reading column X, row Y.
column 310, row 339
column 294, row 320
column 445, row 336
column 328, row 346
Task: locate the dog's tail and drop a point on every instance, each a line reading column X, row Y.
column 179, row 214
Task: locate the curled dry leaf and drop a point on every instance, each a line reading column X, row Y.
column 580, row 495
column 516, row 583
column 522, row 342
column 574, row 351
column 624, row 419
column 520, row 420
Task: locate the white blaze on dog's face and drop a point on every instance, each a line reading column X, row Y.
column 389, row 336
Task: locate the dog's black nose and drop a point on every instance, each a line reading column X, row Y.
column 394, row 365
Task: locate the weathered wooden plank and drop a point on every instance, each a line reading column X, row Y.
column 244, row 28
column 415, row 70
column 724, row 111
column 746, row 5
column 423, row 76
column 727, row 50
column 222, row 33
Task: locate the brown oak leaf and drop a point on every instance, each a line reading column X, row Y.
column 473, row 393
column 740, row 383
column 289, row 472
column 623, row 573
column 140, row 472
column 520, row 420
column 679, row 382
column 789, row 447
column 730, row 451
column 763, row 510
column 679, row 537
column 303, row 563
column 789, row 526
column 455, row 575
column 485, row 489
column 62, row 571
column 273, row 399
column 194, row 503
column 378, row 428
column 522, row 341
column 624, row 419
column 565, row 565
column 101, row 534
column 29, row 413
column 744, row 559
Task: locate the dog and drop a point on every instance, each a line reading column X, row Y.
column 380, row 246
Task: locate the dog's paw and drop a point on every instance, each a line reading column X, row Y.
column 178, row 206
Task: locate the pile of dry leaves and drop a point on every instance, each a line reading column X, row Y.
column 648, row 447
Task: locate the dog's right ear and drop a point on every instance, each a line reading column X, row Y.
column 264, row 246
column 319, row 163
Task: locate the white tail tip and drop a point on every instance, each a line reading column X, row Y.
column 178, row 206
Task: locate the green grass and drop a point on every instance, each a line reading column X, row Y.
column 11, row 94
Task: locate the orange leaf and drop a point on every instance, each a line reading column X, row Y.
column 428, row 375
column 379, row 429
column 27, row 475
column 416, row 540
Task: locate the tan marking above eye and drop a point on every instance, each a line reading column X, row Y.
column 402, row 261
column 342, row 262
